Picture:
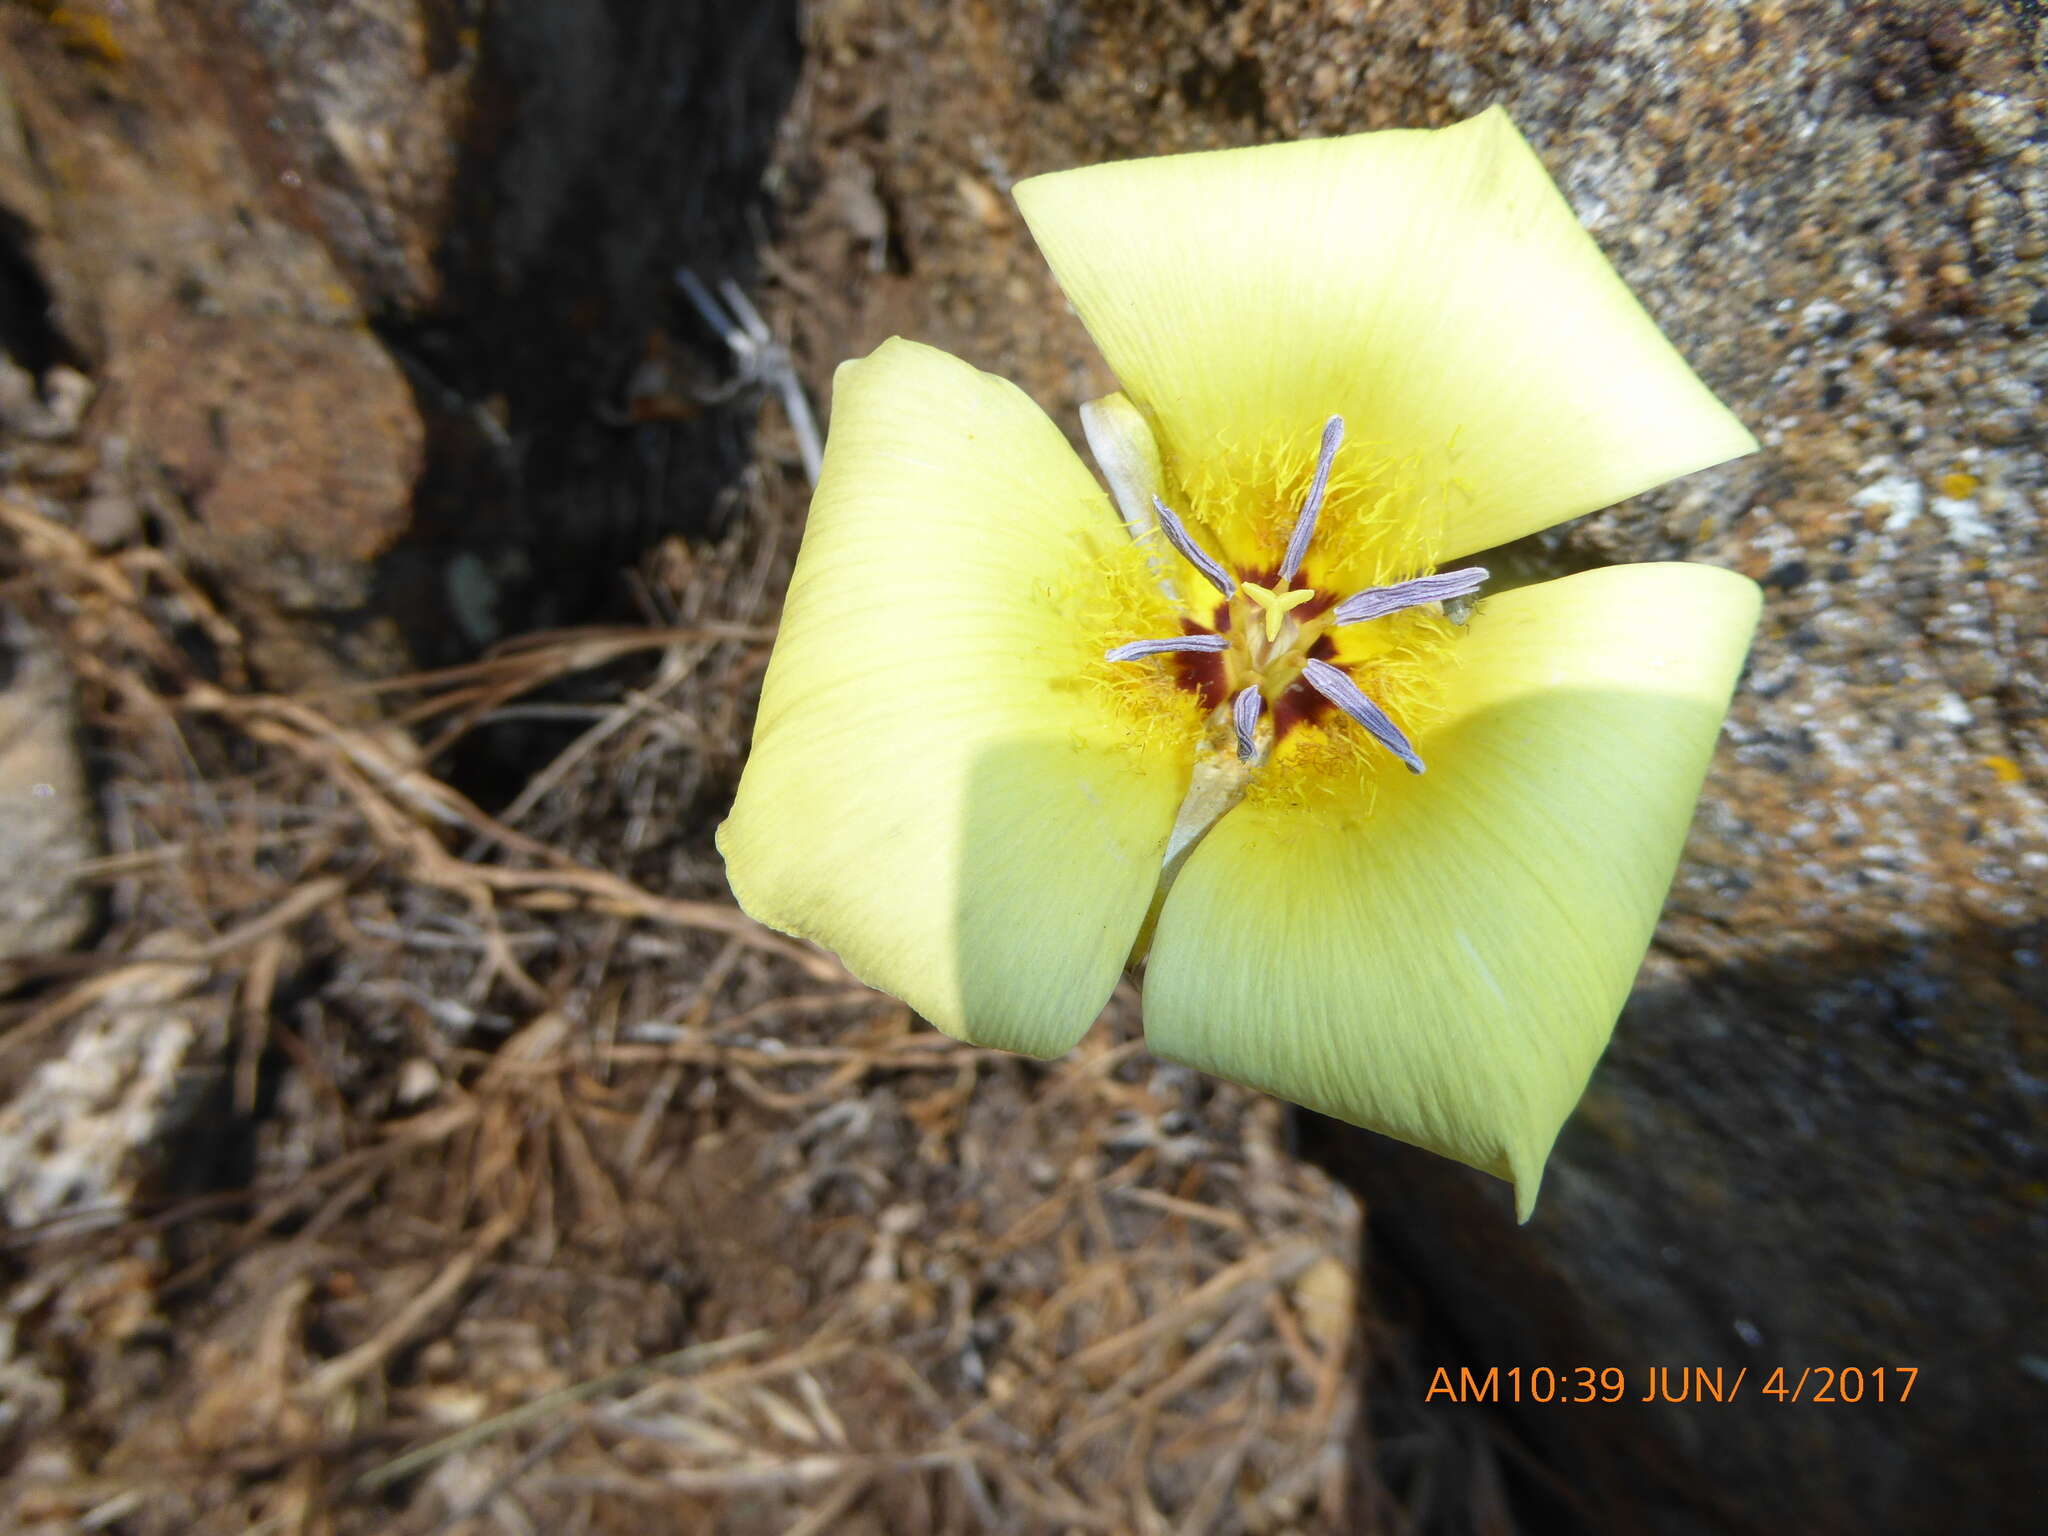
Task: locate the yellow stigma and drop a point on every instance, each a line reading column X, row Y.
column 1277, row 605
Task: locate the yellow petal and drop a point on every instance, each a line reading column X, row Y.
column 943, row 788
column 1432, row 287
column 1447, row 967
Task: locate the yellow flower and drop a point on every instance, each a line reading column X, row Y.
column 1018, row 733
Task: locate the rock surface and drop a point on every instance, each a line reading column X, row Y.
column 1817, row 1139
column 96, row 1124
column 363, row 287
column 46, row 816
column 230, row 350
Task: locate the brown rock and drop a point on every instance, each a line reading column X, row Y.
column 231, row 346
column 364, row 285
column 295, row 444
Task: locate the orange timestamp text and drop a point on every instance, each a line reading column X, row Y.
column 1671, row 1384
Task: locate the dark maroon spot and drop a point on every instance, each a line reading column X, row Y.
column 1320, row 603
column 1324, row 648
column 1201, row 673
column 1298, row 704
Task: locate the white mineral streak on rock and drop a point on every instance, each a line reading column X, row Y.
column 76, row 1137
column 1900, row 497
column 1964, row 517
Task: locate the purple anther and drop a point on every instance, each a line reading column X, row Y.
column 1378, row 602
column 1138, row 649
column 1336, row 686
column 1177, row 535
column 1245, row 710
column 1311, row 509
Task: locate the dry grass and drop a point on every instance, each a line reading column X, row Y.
column 523, row 1184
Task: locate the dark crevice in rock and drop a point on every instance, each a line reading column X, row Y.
column 28, row 327
column 1060, row 46
column 1533, row 558
column 609, row 145
column 1236, row 89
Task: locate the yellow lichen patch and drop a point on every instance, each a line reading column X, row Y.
column 1955, row 486
column 88, row 35
column 2005, row 770
column 1114, row 598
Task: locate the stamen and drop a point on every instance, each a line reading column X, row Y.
column 1245, row 710
column 1139, row 649
column 1378, row 602
column 1305, row 525
column 1337, row 687
column 1177, row 535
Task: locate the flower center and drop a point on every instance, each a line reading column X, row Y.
column 1277, row 605
column 1269, row 651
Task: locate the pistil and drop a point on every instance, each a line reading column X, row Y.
column 1277, row 604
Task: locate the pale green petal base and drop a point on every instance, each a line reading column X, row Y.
column 1448, row 969
column 1432, row 287
column 932, row 793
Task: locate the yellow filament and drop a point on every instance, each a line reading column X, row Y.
column 1114, row 598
